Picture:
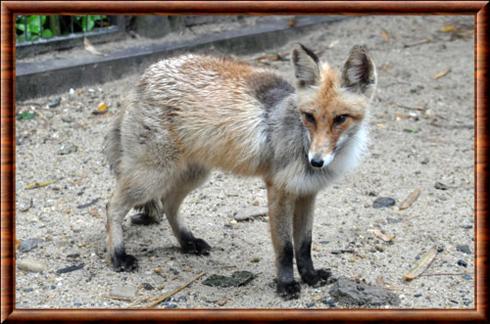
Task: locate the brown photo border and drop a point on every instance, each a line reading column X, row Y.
column 479, row 9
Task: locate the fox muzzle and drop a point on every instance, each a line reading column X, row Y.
column 320, row 160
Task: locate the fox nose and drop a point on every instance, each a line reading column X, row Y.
column 316, row 162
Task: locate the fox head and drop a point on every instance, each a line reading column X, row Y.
column 332, row 104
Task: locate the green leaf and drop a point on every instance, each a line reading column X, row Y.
column 26, row 115
column 33, row 25
column 47, row 33
column 91, row 23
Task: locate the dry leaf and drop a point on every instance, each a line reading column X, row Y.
column 94, row 212
column 441, row 74
column 448, row 28
column 400, row 116
column 102, row 108
column 411, row 198
column 385, row 35
column 386, row 66
column 379, row 234
column 292, row 22
column 422, row 265
column 89, row 47
column 39, row 184
column 333, row 43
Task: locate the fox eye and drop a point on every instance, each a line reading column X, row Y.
column 340, row 119
column 309, row 117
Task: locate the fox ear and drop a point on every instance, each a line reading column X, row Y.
column 305, row 64
column 359, row 72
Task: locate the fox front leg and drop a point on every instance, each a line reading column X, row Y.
column 303, row 221
column 281, row 209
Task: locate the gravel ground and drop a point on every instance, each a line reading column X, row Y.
column 430, row 149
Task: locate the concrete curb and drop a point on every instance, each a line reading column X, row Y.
column 58, row 76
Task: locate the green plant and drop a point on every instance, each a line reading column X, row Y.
column 32, row 28
column 87, row 23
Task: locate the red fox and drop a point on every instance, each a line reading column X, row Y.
column 193, row 113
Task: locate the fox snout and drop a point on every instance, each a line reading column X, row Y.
column 320, row 160
column 322, row 149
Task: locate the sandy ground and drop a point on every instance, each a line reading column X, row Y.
column 406, row 152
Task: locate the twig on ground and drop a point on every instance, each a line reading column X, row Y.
column 443, row 274
column 417, row 43
column 342, row 251
column 163, row 297
column 411, row 108
column 433, row 123
column 422, row 265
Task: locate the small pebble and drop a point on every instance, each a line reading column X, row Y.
column 462, row 263
column 73, row 256
column 440, row 186
column 67, row 119
column 147, row 286
column 67, row 149
column 169, row 305
column 467, row 277
column 25, row 205
column 30, row 265
column 310, row 305
column 383, row 202
column 417, row 295
column 463, row 248
column 29, row 244
column 179, row 299
column 123, row 292
column 222, row 302
column 329, row 302
column 55, row 102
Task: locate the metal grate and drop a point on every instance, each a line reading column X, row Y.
column 35, row 29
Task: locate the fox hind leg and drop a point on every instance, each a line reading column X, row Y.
column 188, row 180
column 117, row 208
column 133, row 189
column 148, row 214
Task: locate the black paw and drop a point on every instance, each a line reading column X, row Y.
column 124, row 263
column 318, row 278
column 288, row 290
column 142, row 219
column 196, row 246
